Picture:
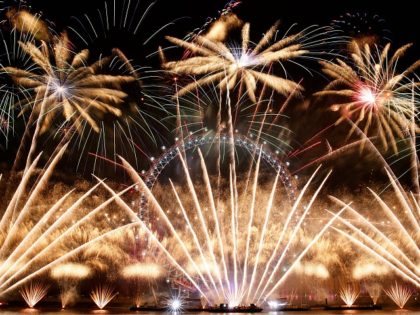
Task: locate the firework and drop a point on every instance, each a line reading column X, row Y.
column 376, row 94
column 241, row 261
column 175, row 304
column 374, row 291
column 363, row 27
column 142, row 270
column 34, row 292
column 102, row 295
column 349, row 294
column 366, row 270
column 399, row 294
column 70, row 271
column 230, row 66
column 394, row 241
column 63, row 84
column 34, row 241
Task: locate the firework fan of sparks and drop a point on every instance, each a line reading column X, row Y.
column 240, row 269
column 393, row 241
column 374, row 92
column 33, row 242
column 230, row 66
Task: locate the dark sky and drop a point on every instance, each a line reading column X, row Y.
column 400, row 19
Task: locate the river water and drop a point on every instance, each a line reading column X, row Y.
column 123, row 311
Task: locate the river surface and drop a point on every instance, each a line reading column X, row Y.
column 123, row 311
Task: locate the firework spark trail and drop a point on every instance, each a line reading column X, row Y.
column 38, row 126
column 380, row 257
column 399, row 294
column 102, row 295
column 291, row 239
column 303, row 253
column 234, row 294
column 349, row 295
column 261, row 243
column 8, row 214
column 62, row 236
column 68, row 255
column 136, row 178
column 31, row 234
column 384, row 248
column 380, row 249
column 249, row 228
column 66, row 215
column 215, row 215
column 32, row 293
column 194, row 234
column 388, row 247
column 38, row 188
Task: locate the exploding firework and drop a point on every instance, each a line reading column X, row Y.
column 349, row 294
column 363, row 28
column 102, row 295
column 375, row 93
column 63, row 84
column 399, row 294
column 232, row 66
column 34, row 292
column 175, row 304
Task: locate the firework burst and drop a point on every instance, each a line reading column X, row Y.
column 66, row 85
column 374, row 92
column 230, row 66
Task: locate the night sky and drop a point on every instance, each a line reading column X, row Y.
column 398, row 22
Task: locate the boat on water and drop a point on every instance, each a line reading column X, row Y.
column 225, row 308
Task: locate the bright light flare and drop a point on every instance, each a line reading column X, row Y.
column 70, row 271
column 367, row 97
column 349, row 295
column 142, row 270
column 175, row 304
